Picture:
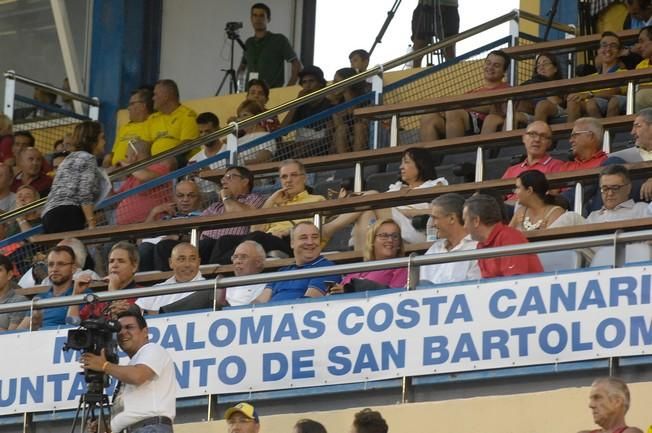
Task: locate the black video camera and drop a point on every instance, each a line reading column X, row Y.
column 92, row 336
column 232, row 26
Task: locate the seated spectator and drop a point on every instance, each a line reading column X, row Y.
column 261, row 152
column 184, row 262
column 34, row 275
column 8, row 295
column 7, row 198
column 537, row 141
column 62, row 265
column 6, row 138
column 446, row 214
column 609, row 401
column 586, row 145
column 172, row 123
column 135, row 208
column 21, row 252
column 417, row 170
column 155, row 252
column 541, row 108
column 208, row 123
column 457, row 123
column 29, row 165
column 643, row 96
column 351, row 133
column 359, row 60
column 258, row 90
column 79, row 183
column 537, row 208
column 615, row 188
column 139, row 108
column 57, row 159
column 123, row 263
column 248, row 259
column 482, row 221
column 383, row 242
column 305, row 241
column 235, row 196
column 602, row 102
column 22, row 140
column 311, row 140
column 274, row 236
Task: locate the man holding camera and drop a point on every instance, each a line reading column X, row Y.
column 145, row 397
column 265, row 52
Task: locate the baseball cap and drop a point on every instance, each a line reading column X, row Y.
column 315, row 71
column 244, row 408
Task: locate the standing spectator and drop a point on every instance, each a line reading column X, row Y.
column 311, row 140
column 369, row 421
column 6, row 138
column 265, row 52
column 78, row 184
column 609, row 401
column 29, row 165
column 135, row 208
column 261, row 152
column 305, row 242
column 359, row 60
column 258, row 90
column 207, row 123
column 7, row 198
column 308, row 426
column 351, row 132
column 172, row 123
column 242, row 418
column 139, row 108
column 9, row 321
column 482, row 221
column 446, row 214
column 434, row 19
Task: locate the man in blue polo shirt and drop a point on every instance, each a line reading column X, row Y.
column 305, row 242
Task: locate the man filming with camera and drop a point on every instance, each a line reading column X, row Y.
column 145, row 397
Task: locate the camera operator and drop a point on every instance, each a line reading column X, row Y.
column 265, row 52
column 145, row 397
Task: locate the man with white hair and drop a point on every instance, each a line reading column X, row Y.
column 609, row 402
column 586, row 145
column 248, row 259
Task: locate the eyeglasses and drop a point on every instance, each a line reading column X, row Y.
column 388, row 236
column 59, row 264
column 291, row 175
column 612, row 188
column 576, row 133
column 239, row 257
column 613, row 45
column 230, row 176
column 540, row 136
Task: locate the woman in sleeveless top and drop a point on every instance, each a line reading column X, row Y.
column 538, row 209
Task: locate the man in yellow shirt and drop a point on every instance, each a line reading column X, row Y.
column 172, row 123
column 643, row 98
column 140, row 107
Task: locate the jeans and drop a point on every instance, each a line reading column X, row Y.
column 155, row 428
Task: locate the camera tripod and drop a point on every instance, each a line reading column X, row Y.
column 230, row 74
column 88, row 402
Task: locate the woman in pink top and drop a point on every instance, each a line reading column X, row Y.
column 384, row 241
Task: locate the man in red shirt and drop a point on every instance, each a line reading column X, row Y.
column 455, row 123
column 586, row 145
column 482, row 220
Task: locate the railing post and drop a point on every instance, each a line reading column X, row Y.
column 10, row 93
column 94, row 110
column 393, row 132
column 579, row 198
column 232, row 144
column 479, row 167
column 514, row 30
column 357, row 178
column 620, row 251
column 606, row 141
column 509, row 115
column 377, row 87
column 194, row 237
column 630, row 98
column 570, row 72
column 316, row 220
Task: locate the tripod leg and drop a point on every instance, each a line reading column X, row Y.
column 74, row 420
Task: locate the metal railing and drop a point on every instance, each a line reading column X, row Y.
column 617, row 239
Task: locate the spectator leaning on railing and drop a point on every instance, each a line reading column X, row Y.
column 78, row 184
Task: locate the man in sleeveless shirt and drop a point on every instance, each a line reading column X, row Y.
column 609, row 401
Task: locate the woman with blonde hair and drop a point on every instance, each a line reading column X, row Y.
column 383, row 242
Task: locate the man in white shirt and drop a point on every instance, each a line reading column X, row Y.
column 145, row 399
column 184, row 262
column 248, row 259
column 446, row 217
column 615, row 188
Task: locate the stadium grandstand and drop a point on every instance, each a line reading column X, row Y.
column 464, row 245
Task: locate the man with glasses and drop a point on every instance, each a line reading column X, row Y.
column 586, row 145
column 234, row 197
column 242, row 418
column 248, row 259
column 537, row 140
column 615, row 188
column 274, row 236
column 139, row 108
column 306, row 245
